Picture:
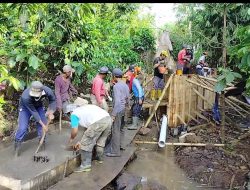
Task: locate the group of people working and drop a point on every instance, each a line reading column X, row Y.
column 185, row 56
column 97, row 120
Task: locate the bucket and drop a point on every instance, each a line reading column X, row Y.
column 178, row 72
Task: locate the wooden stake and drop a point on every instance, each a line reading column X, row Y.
column 159, row 101
column 60, row 122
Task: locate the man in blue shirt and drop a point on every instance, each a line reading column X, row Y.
column 137, row 104
column 31, row 104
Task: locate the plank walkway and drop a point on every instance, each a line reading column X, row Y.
column 101, row 174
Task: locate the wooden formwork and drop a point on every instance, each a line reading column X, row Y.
column 187, row 97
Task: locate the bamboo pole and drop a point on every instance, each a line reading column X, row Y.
column 159, row 101
column 232, row 106
column 144, row 85
column 202, row 97
column 197, row 127
column 180, row 144
column 238, row 101
column 207, row 78
column 179, row 117
column 236, row 105
column 192, row 118
column 210, row 89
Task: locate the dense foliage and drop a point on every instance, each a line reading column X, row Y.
column 40, row 38
column 37, row 40
column 201, row 26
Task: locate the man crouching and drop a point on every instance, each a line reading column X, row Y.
column 97, row 122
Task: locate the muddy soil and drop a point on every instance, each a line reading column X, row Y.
column 223, row 168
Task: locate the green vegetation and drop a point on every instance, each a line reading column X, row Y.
column 201, row 25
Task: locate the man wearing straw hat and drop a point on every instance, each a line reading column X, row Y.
column 97, row 124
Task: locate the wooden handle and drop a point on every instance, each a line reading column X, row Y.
column 42, row 139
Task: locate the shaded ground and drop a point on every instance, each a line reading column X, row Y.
column 223, row 168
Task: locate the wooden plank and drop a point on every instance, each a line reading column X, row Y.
column 100, row 175
column 174, row 100
column 184, row 89
column 189, row 98
column 169, row 108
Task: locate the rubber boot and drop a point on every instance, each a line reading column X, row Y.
column 17, row 148
column 86, row 158
column 134, row 124
column 158, row 94
column 99, row 154
column 153, row 92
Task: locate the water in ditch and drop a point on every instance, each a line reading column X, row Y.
column 160, row 166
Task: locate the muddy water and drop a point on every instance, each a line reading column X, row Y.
column 160, row 166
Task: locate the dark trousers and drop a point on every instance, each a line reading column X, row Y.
column 136, row 107
column 186, row 70
column 23, row 122
column 117, row 133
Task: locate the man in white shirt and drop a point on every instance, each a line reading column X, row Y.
column 97, row 122
column 201, row 64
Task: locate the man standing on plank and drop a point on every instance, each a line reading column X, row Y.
column 120, row 99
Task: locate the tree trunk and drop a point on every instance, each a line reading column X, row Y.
column 224, row 61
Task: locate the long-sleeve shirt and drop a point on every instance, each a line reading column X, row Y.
column 98, row 88
column 137, row 88
column 120, row 97
column 31, row 104
column 63, row 89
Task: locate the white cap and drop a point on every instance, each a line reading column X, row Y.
column 68, row 68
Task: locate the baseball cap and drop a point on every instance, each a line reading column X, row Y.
column 36, row 89
column 68, row 68
column 117, row 72
column 104, row 70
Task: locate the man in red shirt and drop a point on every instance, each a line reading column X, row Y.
column 182, row 58
column 98, row 90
